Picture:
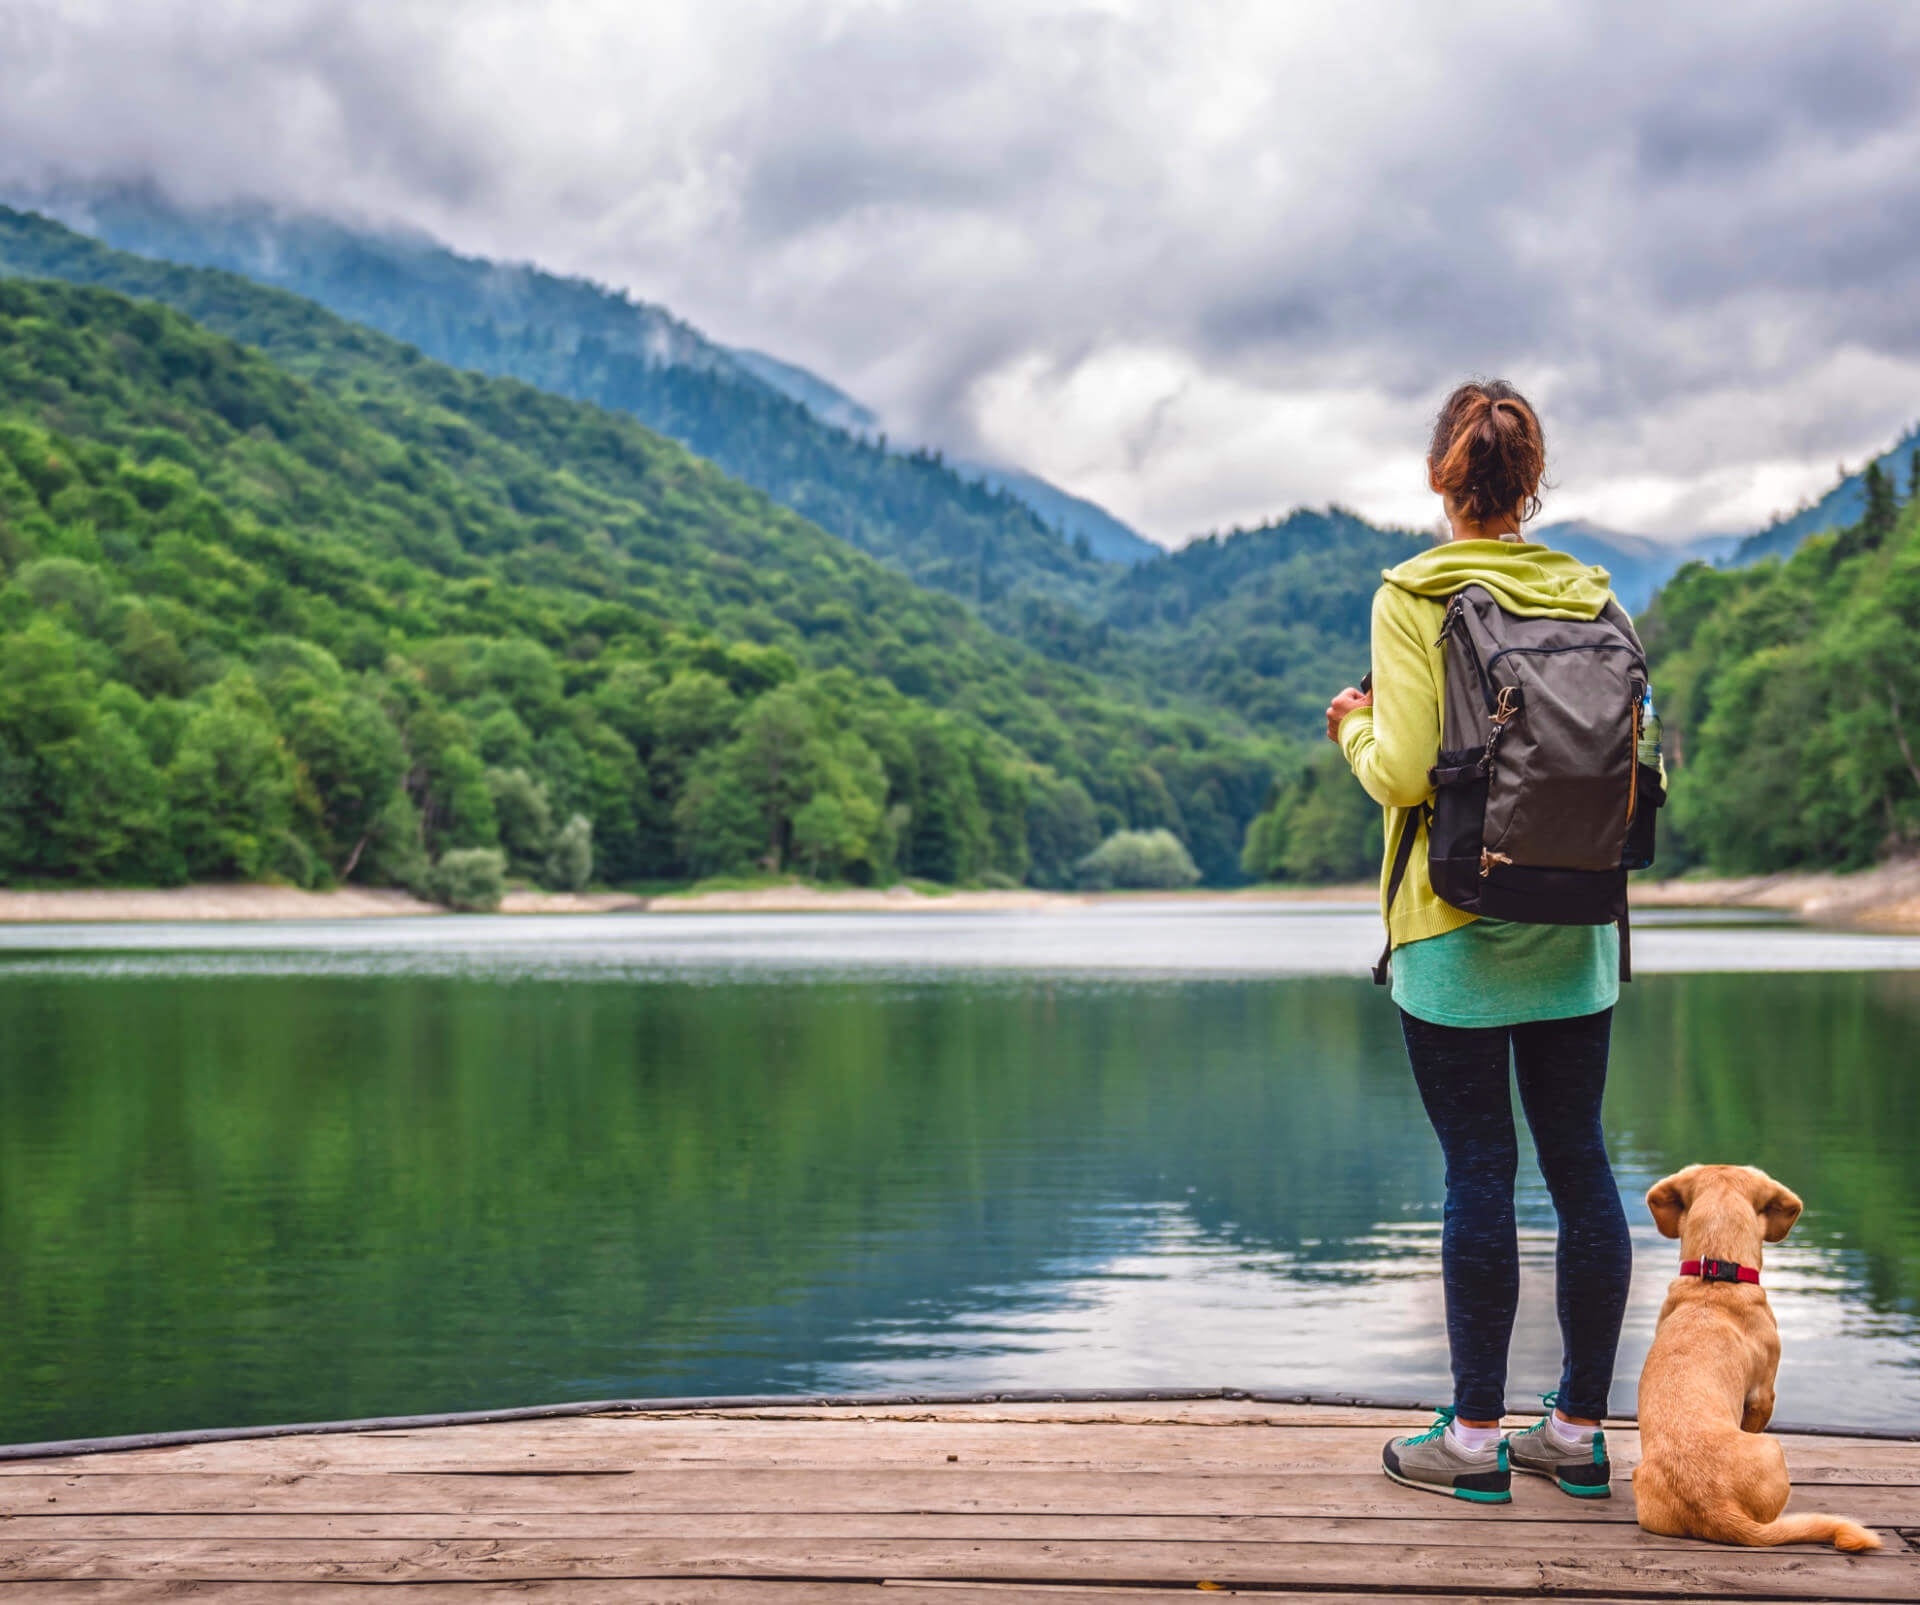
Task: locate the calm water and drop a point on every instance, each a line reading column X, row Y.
column 282, row 1173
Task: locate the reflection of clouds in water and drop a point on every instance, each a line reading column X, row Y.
column 1181, row 1308
column 1141, row 940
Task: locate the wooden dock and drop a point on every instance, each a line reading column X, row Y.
column 937, row 1504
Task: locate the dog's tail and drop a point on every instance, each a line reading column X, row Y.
column 1835, row 1530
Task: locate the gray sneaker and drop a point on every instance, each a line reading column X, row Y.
column 1584, row 1473
column 1429, row 1461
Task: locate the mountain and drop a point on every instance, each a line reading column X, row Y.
column 1269, row 622
column 1072, row 516
column 317, row 606
column 829, row 403
column 767, row 422
column 1840, row 507
column 1638, row 564
column 1075, row 517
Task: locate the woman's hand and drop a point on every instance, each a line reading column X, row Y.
column 1343, row 705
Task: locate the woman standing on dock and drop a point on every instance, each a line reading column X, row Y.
column 1473, row 990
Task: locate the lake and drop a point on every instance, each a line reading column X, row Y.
column 294, row 1172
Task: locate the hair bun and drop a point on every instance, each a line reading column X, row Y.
column 1487, row 452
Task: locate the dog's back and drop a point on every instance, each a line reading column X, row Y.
column 1700, row 1474
column 1706, row 1391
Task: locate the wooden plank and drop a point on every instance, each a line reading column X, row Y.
column 1199, row 1413
column 686, row 1591
column 603, row 1444
column 842, row 1427
column 1123, row 1413
column 1713, row 1572
column 1330, row 1426
column 1484, row 1529
column 952, row 1490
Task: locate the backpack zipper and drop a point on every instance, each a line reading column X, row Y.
column 1549, row 651
column 1633, row 757
column 1456, row 613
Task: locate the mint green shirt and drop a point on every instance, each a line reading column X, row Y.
column 1498, row 972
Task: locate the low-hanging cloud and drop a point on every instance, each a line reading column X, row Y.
column 1201, row 260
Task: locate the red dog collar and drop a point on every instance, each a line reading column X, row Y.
column 1718, row 1270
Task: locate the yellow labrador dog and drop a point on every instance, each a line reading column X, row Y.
column 1706, row 1392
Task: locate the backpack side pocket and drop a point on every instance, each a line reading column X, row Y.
column 1649, row 797
column 1456, row 832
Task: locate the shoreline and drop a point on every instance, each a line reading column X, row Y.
column 1884, row 899
column 210, row 902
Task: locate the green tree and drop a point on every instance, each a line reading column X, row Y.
column 1062, row 828
column 778, row 760
column 469, row 879
column 525, row 820
column 1319, row 827
column 231, row 788
column 692, row 712
column 448, row 784
column 1139, row 860
column 569, row 865
column 352, row 764
column 108, row 816
column 1882, row 509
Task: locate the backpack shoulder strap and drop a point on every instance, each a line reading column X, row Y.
column 1402, row 856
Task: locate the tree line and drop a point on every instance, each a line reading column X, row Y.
column 1790, row 692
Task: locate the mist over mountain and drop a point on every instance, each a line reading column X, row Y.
column 1073, row 516
column 827, row 402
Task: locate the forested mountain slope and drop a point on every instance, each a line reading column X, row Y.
column 738, row 409
column 1844, row 505
column 1268, row 622
column 344, row 615
column 1790, row 691
column 1255, row 621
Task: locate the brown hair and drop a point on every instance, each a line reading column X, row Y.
column 1487, row 452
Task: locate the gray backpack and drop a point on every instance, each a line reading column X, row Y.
column 1542, row 800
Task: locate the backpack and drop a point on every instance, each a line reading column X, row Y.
column 1543, row 798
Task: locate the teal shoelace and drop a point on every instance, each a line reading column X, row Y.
column 1440, row 1424
column 1547, row 1403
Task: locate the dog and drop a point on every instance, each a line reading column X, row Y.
column 1706, row 1392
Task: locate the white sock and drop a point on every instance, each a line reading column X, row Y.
column 1565, row 1435
column 1476, row 1441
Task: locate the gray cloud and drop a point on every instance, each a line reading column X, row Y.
column 1201, row 260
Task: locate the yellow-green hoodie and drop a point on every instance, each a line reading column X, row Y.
column 1393, row 744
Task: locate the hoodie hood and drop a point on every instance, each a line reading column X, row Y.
column 1532, row 581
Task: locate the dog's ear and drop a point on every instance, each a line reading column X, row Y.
column 1779, row 1208
column 1668, row 1200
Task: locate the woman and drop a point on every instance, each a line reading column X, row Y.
column 1472, row 990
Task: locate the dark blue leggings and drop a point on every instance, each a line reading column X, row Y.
column 1562, row 1069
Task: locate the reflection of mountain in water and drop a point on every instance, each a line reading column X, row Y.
column 250, row 1199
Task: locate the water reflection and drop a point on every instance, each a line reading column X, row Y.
column 232, row 1194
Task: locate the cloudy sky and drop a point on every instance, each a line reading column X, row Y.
column 1202, row 260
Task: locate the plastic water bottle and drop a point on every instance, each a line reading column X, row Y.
column 1649, row 749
